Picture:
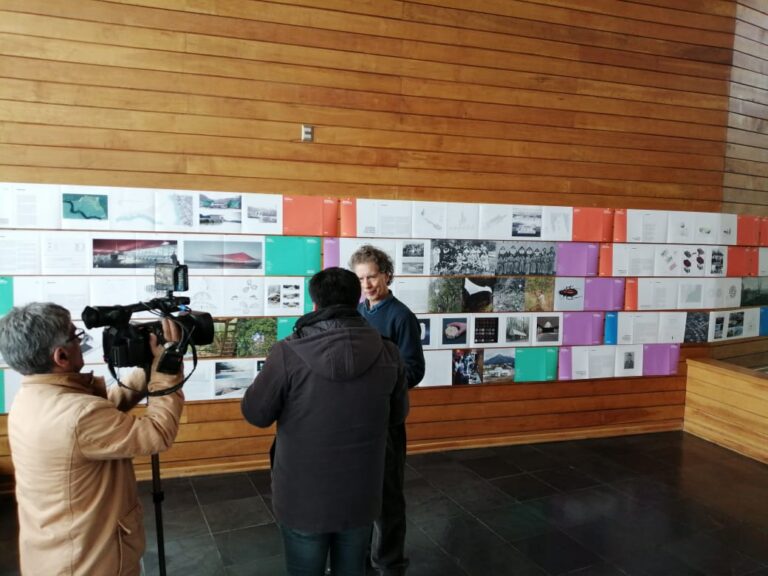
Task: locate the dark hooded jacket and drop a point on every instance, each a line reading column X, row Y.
column 333, row 388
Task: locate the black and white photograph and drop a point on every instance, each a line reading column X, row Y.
column 498, row 365
column 754, row 291
column 518, row 329
column 477, row 294
column 509, row 294
column 283, row 298
column 232, row 377
column 463, row 257
column 717, row 262
column 131, row 253
column 425, row 328
column 467, row 366
column 526, row 221
column 445, row 295
column 547, row 328
column 262, row 214
column 454, row 331
column 485, row 330
column 220, row 212
column 719, row 327
column 735, row 324
column 525, row 258
column 696, row 327
column 411, row 257
column 629, row 361
column 224, row 255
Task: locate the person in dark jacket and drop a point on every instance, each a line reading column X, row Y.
column 334, row 387
column 395, row 321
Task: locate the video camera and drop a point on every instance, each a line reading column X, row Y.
column 126, row 343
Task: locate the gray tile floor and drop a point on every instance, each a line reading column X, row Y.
column 654, row 505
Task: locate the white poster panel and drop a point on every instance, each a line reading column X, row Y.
column 263, row 213
column 647, row 226
column 496, row 221
column 557, row 223
column 30, row 205
column 429, row 220
column 19, row 252
column 437, row 368
column 66, row 252
column 177, row 211
column 132, row 209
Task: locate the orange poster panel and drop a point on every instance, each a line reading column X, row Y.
column 303, row 215
column 630, row 294
column 620, row 225
column 748, row 230
column 348, row 218
column 605, row 262
column 742, row 261
column 764, row 231
column 330, row 216
column 592, row 224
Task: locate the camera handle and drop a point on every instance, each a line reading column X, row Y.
column 173, row 389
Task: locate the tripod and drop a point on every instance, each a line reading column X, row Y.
column 157, row 498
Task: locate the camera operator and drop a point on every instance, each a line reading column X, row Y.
column 72, row 443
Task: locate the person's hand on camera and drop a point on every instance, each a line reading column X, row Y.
column 171, row 335
column 136, row 380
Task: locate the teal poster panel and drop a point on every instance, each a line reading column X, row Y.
column 6, row 295
column 285, row 326
column 309, row 306
column 535, row 364
column 292, row 255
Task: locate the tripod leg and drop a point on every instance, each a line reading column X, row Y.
column 157, row 498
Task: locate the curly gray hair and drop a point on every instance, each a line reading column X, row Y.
column 370, row 254
column 29, row 334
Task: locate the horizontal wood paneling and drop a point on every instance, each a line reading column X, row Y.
column 214, row 435
column 472, row 87
column 594, row 103
column 745, row 182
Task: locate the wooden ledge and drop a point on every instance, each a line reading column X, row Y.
column 727, row 369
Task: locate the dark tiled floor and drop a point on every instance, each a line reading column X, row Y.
column 654, row 505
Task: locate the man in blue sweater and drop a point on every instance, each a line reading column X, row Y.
column 396, row 322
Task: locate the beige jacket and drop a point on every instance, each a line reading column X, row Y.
column 71, row 445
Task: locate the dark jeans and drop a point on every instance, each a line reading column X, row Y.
column 388, row 545
column 306, row 553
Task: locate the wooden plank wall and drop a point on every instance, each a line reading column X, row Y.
column 596, row 103
column 745, row 183
column 728, row 405
column 613, row 103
